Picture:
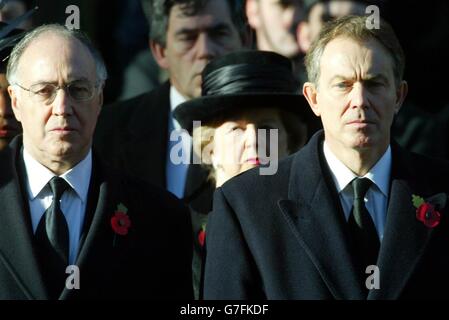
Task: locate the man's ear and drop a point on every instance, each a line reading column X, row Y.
column 252, row 12
column 159, row 54
column 310, row 93
column 303, row 36
column 14, row 104
column 401, row 93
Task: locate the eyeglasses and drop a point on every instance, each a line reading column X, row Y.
column 79, row 90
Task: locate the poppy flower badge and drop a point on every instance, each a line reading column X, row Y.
column 202, row 235
column 120, row 221
column 427, row 211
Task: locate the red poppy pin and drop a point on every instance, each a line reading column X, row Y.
column 426, row 212
column 120, row 221
column 202, row 235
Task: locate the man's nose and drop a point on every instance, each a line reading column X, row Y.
column 206, row 47
column 359, row 96
column 62, row 102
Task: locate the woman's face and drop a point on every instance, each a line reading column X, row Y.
column 9, row 127
column 239, row 144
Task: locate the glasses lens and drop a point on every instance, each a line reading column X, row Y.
column 81, row 90
column 43, row 91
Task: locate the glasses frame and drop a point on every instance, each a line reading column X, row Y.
column 64, row 87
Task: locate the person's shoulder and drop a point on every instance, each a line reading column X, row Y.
column 430, row 164
column 423, row 168
column 145, row 192
column 142, row 103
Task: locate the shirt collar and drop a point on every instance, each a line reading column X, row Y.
column 176, row 98
column 342, row 175
column 77, row 177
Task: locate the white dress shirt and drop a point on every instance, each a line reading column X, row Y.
column 176, row 167
column 73, row 201
column 376, row 199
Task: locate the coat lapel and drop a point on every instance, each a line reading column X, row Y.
column 17, row 253
column 405, row 238
column 314, row 213
column 96, row 242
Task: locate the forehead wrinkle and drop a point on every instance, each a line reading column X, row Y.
column 361, row 60
column 68, row 59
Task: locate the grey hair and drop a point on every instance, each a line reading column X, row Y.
column 19, row 49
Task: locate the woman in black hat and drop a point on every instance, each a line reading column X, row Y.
column 243, row 92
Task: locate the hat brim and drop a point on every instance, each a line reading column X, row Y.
column 208, row 108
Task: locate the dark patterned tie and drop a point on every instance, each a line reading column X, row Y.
column 52, row 237
column 363, row 230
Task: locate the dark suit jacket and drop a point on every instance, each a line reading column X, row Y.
column 132, row 136
column 285, row 237
column 151, row 262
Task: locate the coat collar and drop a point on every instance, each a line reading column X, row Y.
column 314, row 213
column 17, row 254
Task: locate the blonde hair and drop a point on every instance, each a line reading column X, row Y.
column 203, row 137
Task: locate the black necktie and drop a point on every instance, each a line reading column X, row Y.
column 52, row 237
column 366, row 240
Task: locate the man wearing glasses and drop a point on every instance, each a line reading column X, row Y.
column 71, row 228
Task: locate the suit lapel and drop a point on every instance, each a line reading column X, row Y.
column 95, row 243
column 17, row 253
column 405, row 238
column 314, row 213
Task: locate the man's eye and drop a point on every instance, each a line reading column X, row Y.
column 342, row 85
column 44, row 91
column 79, row 89
column 373, row 84
column 187, row 37
column 220, row 33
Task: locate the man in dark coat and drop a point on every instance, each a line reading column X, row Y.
column 135, row 135
column 71, row 228
column 349, row 216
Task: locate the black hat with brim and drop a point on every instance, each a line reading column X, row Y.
column 10, row 35
column 7, row 44
column 244, row 80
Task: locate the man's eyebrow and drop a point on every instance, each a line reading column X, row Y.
column 70, row 80
column 375, row 77
column 340, row 77
column 369, row 77
column 213, row 28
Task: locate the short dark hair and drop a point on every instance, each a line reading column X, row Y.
column 355, row 28
column 160, row 12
